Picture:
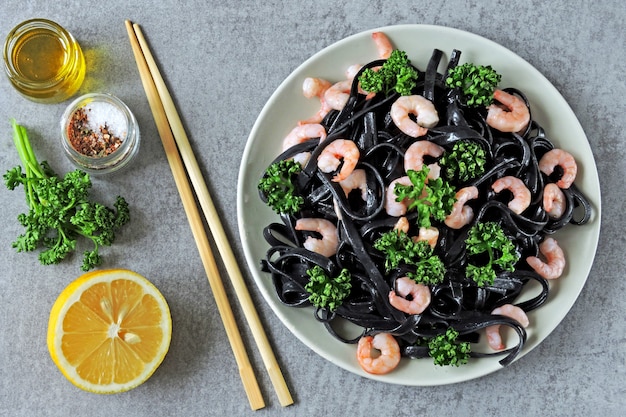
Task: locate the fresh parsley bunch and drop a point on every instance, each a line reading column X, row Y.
column 60, row 210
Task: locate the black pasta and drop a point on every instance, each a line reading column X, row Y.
column 457, row 302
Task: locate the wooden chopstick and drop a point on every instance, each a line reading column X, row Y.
column 217, row 230
column 197, row 227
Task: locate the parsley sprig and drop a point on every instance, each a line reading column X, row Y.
column 399, row 249
column 396, row 74
column 489, row 238
column 476, row 82
column 445, row 349
column 277, row 185
column 325, row 291
column 465, row 161
column 430, row 197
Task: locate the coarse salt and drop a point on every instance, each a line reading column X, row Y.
column 101, row 113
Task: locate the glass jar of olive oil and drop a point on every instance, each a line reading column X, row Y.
column 43, row 61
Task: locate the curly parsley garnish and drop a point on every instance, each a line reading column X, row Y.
column 399, row 249
column 278, row 188
column 465, row 161
column 489, row 238
column 476, row 82
column 430, row 197
column 396, row 74
column 325, row 291
column 445, row 349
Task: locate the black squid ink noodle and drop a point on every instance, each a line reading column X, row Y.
column 457, row 302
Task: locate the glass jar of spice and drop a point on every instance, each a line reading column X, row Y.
column 100, row 133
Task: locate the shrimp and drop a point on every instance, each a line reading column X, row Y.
column 555, row 258
column 379, row 354
column 493, row 332
column 384, row 48
column 327, row 245
column 352, row 71
column 419, row 106
column 428, row 234
column 511, row 115
column 316, row 87
column 392, row 206
column 414, row 157
column 303, row 133
column 300, row 134
column 418, row 296
column 383, row 45
column 337, row 95
column 355, row 181
column 559, row 157
column 330, row 158
column 402, row 225
column 521, row 194
column 461, row 214
column 554, row 201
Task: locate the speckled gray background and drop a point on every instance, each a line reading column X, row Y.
column 222, row 61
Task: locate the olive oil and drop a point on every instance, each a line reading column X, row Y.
column 43, row 61
column 39, row 56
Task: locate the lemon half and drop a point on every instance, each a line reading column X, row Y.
column 109, row 330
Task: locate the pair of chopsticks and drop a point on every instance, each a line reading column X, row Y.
column 176, row 145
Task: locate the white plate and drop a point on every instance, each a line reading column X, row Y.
column 287, row 105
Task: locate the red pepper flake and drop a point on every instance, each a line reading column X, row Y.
column 89, row 142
